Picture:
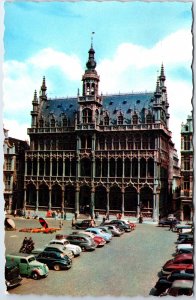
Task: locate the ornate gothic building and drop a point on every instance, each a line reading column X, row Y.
column 100, row 153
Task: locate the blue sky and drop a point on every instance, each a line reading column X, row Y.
column 131, row 41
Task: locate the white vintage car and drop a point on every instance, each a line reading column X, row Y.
column 76, row 250
column 184, row 248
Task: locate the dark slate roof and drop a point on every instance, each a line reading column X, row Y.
column 113, row 104
column 127, row 104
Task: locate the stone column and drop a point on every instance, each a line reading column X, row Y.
column 138, row 204
column 25, row 199
column 108, row 200
column 154, row 213
column 123, row 167
column 92, row 204
column 62, row 201
column 50, row 199
column 37, row 199
column 77, row 211
column 123, row 202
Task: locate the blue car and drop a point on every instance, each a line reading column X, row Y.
column 97, row 231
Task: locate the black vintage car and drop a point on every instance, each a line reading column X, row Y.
column 55, row 260
column 84, row 224
column 168, row 222
column 120, row 224
column 165, row 282
column 12, row 275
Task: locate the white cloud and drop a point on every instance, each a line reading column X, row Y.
column 132, row 67
column 16, row 129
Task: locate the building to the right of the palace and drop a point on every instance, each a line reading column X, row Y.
column 111, row 153
column 183, row 204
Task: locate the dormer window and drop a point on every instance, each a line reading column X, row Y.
column 65, row 122
column 41, row 123
column 149, row 118
column 135, row 119
column 120, row 120
column 52, row 122
column 106, row 120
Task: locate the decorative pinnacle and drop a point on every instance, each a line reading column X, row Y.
column 92, row 39
column 43, row 87
column 35, row 96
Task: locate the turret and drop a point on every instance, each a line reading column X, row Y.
column 34, row 112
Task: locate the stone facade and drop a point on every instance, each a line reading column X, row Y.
column 186, row 196
column 13, row 172
column 100, row 153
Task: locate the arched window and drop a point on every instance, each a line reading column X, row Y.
column 87, row 116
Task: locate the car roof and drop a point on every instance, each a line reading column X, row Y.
column 180, row 283
column 55, row 246
column 21, row 254
column 78, row 234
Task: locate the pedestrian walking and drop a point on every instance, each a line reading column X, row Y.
column 73, row 222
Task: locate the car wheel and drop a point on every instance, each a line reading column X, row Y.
column 57, row 267
column 83, row 248
column 35, row 275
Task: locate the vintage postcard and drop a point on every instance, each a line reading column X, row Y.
column 98, row 148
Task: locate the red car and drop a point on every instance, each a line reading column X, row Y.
column 180, row 262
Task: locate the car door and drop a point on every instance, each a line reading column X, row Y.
column 24, row 266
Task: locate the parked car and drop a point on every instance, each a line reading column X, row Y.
column 179, row 227
column 168, row 222
column 179, row 288
column 76, row 250
column 28, row 265
column 131, row 224
column 12, row 275
column 184, row 248
column 114, row 230
column 84, row 224
column 99, row 241
column 55, row 247
column 180, row 262
column 187, row 240
column 121, row 224
column 166, row 282
column 184, row 235
column 82, row 240
column 55, row 260
column 105, row 229
column 97, row 231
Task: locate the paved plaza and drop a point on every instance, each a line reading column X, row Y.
column 128, row 266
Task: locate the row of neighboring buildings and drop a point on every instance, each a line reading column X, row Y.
column 111, row 153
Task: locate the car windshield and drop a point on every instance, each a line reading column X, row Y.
column 31, row 259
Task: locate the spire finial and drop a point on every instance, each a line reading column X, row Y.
column 92, row 38
column 43, row 87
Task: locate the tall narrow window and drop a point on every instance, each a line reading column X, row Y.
column 87, row 115
column 120, row 120
column 135, row 119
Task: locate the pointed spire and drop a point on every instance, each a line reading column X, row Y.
column 162, row 74
column 43, row 87
column 35, row 97
column 91, row 63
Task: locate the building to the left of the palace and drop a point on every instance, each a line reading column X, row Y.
column 13, row 172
